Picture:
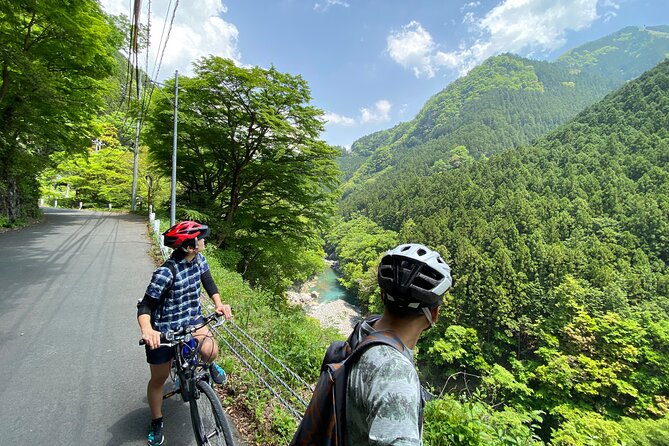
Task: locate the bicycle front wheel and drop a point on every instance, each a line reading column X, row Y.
column 209, row 422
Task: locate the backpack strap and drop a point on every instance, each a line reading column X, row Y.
column 374, row 338
column 390, row 338
column 385, row 337
column 169, row 264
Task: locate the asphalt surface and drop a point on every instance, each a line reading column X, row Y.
column 72, row 371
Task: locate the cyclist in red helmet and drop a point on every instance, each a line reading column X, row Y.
column 172, row 301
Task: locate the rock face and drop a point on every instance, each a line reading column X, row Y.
column 337, row 314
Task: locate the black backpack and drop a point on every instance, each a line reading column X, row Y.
column 169, row 264
column 324, row 421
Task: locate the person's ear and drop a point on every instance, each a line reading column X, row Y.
column 435, row 314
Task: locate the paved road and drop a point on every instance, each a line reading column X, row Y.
column 72, row 372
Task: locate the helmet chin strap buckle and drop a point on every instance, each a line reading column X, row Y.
column 428, row 315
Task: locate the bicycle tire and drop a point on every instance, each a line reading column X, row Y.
column 210, row 424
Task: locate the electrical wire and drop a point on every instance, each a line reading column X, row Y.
column 160, row 62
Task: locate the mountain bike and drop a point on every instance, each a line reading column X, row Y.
column 193, row 383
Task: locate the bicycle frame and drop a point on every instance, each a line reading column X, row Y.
column 207, row 416
column 189, row 369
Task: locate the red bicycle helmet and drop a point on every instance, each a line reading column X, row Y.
column 184, row 231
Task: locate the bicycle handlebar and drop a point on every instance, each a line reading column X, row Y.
column 171, row 337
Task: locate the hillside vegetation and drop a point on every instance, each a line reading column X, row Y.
column 506, row 102
column 556, row 330
column 559, row 313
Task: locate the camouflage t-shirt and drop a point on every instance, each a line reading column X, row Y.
column 383, row 398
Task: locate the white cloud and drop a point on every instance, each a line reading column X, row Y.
column 470, row 5
column 524, row 27
column 413, row 48
column 379, row 113
column 322, row 7
column 198, row 31
column 334, row 118
column 403, row 109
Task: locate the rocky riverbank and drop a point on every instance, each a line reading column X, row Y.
column 337, row 314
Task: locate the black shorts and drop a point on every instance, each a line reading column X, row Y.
column 161, row 355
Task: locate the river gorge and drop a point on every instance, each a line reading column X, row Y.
column 326, row 300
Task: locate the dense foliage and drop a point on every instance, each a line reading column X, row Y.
column 610, row 56
column 98, row 177
column 559, row 253
column 251, row 164
column 55, row 60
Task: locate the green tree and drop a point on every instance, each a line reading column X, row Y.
column 359, row 244
column 55, row 60
column 250, row 160
column 102, row 175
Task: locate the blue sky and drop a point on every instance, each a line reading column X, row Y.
column 371, row 64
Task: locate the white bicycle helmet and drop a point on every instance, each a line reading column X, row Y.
column 414, row 277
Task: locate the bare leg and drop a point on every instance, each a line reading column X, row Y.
column 154, row 391
column 207, row 343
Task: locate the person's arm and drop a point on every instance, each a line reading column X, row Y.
column 144, row 309
column 161, row 279
column 212, row 290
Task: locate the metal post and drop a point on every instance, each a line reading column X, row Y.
column 173, row 204
column 135, row 168
column 149, row 183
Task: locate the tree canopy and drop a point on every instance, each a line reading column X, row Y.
column 251, row 163
column 560, row 255
column 54, row 61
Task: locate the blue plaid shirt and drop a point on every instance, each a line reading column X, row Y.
column 182, row 304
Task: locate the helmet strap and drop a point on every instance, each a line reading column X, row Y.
column 428, row 315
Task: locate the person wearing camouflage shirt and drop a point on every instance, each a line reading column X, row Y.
column 383, row 399
column 384, row 388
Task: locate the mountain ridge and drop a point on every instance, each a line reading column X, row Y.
column 507, row 101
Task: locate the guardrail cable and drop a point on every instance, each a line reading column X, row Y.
column 248, row 352
column 294, row 412
column 293, row 374
column 227, row 330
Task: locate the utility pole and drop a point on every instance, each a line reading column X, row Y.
column 134, row 167
column 135, row 47
column 173, row 204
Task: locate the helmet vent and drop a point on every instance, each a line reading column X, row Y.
column 432, row 274
column 422, row 283
column 414, row 275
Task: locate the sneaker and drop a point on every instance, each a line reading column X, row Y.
column 217, row 374
column 156, row 436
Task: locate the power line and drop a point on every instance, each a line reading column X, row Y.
column 160, row 42
column 162, row 53
column 169, row 30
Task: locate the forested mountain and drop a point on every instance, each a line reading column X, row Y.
column 559, row 254
column 507, row 102
column 620, row 56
